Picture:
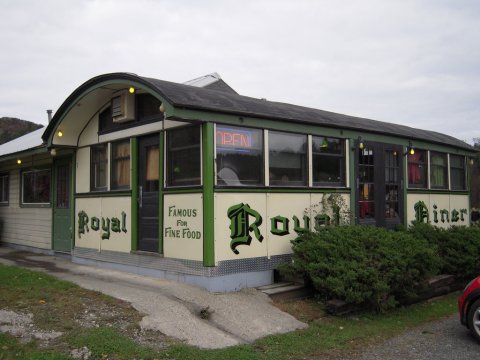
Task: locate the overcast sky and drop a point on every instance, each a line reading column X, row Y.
column 415, row 63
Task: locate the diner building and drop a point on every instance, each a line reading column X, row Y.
column 197, row 183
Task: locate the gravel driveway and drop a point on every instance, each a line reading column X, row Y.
column 443, row 339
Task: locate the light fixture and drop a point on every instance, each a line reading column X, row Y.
column 471, row 161
column 410, row 149
column 19, row 161
column 131, row 90
column 161, row 108
column 359, row 143
column 53, row 152
column 60, row 133
column 324, row 143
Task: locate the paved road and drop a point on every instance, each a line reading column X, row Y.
column 443, row 339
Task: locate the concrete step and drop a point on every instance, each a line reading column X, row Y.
column 286, row 291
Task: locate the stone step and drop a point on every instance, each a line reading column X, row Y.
column 286, row 291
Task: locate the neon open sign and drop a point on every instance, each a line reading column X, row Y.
column 227, row 137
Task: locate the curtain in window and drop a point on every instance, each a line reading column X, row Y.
column 122, row 171
column 438, row 168
column 415, row 169
column 152, row 163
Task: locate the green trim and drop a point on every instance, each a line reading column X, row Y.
column 97, row 194
column 23, row 153
column 91, row 85
column 405, row 189
column 196, row 190
column 352, row 179
column 160, row 194
column 134, row 193
column 283, row 190
column 53, row 197
column 72, row 198
column 313, row 129
column 208, row 138
column 436, row 192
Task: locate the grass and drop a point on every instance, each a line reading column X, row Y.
column 62, row 306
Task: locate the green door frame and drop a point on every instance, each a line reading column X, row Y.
column 64, row 160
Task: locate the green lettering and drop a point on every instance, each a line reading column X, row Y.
column 274, row 225
column 95, row 223
column 106, row 228
column 115, row 225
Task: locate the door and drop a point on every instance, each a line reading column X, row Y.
column 379, row 185
column 62, row 221
column 148, row 188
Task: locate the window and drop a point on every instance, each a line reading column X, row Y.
column 148, row 107
column 183, row 156
column 3, row 189
column 288, row 159
column 105, row 120
column 98, row 168
column 328, row 161
column 121, row 165
column 239, row 156
column 457, row 172
column 36, row 187
column 417, row 169
column 438, row 170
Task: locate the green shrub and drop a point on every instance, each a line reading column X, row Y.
column 458, row 248
column 364, row 265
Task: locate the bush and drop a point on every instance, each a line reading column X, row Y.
column 364, row 265
column 458, row 248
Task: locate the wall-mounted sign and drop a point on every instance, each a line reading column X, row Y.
column 245, row 221
column 104, row 225
column 422, row 214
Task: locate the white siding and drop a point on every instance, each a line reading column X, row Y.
column 24, row 226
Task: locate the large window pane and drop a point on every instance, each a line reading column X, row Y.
column 287, row 159
column 457, row 172
column 183, row 156
column 239, row 156
column 98, row 168
column 328, row 161
column 417, row 169
column 438, row 170
column 3, row 188
column 121, row 165
column 36, row 187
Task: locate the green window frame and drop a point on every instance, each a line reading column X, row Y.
column 239, row 156
column 36, row 187
column 458, row 172
column 328, row 161
column 438, row 170
column 288, row 159
column 99, row 167
column 120, row 171
column 4, row 189
column 184, row 156
column 417, row 169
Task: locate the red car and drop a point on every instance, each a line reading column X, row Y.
column 469, row 307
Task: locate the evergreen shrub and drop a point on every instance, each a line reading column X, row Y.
column 363, row 264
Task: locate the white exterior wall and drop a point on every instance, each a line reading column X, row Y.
column 183, row 226
column 447, row 202
column 268, row 206
column 27, row 226
column 106, row 208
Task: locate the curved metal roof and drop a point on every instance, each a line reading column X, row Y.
column 196, row 98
